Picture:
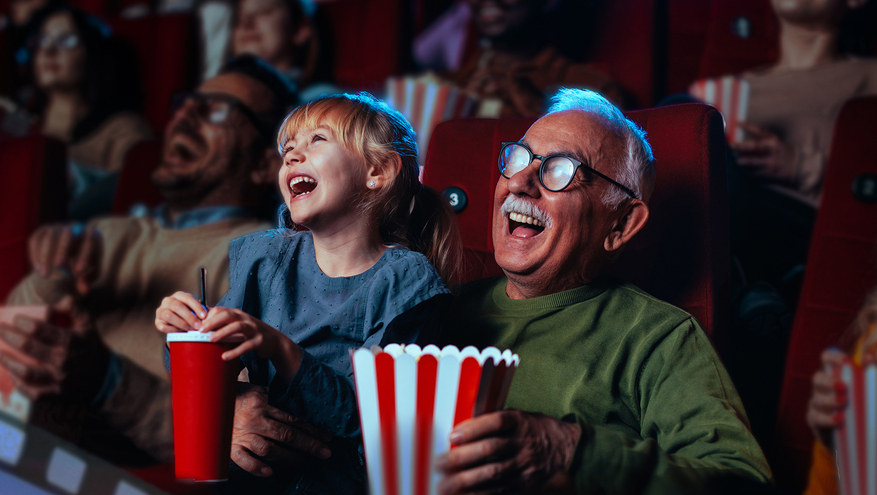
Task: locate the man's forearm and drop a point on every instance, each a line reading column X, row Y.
column 140, row 408
column 610, row 461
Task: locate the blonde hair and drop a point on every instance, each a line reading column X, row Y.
column 406, row 212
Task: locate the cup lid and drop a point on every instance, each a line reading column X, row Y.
column 196, row 336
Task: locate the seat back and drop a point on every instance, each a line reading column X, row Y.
column 135, row 181
column 372, row 39
column 629, row 57
column 681, row 256
column 841, row 269
column 166, row 50
column 741, row 35
column 33, row 191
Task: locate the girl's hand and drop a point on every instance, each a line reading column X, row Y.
column 180, row 312
column 266, row 341
column 825, row 411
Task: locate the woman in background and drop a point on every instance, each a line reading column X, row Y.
column 86, row 92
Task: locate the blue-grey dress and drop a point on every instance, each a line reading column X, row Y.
column 275, row 277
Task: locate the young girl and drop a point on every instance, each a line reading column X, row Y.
column 829, row 400
column 359, row 276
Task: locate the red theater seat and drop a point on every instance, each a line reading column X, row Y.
column 372, row 41
column 681, row 256
column 624, row 46
column 33, row 191
column 741, row 35
column 135, row 183
column 165, row 46
column 841, row 269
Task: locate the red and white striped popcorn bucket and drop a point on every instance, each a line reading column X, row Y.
column 856, row 440
column 730, row 96
column 411, row 398
column 426, row 102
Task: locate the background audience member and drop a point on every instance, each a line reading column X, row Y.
column 517, row 63
column 86, row 93
column 283, row 34
column 792, row 107
column 22, row 15
column 218, row 176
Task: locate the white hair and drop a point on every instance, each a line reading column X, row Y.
column 637, row 171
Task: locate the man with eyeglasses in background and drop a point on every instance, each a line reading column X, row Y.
column 617, row 392
column 218, row 176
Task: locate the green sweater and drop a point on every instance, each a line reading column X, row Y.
column 658, row 411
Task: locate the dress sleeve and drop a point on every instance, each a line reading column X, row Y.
column 320, row 395
column 692, row 424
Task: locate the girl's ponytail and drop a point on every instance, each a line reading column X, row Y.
column 433, row 231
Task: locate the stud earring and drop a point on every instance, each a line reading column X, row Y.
column 372, row 184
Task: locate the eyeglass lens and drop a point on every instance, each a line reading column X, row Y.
column 556, row 171
column 211, row 110
column 66, row 41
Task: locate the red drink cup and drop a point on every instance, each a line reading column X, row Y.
column 203, row 387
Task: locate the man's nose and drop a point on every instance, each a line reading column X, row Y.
column 527, row 181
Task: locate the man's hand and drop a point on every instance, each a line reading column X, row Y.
column 45, row 359
column 765, row 155
column 508, row 450
column 263, row 434
column 67, row 247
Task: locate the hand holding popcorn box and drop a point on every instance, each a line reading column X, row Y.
column 856, row 440
column 411, row 398
column 730, row 96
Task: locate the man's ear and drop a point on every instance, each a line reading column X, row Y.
column 384, row 173
column 268, row 167
column 631, row 220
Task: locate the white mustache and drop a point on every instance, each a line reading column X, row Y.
column 523, row 207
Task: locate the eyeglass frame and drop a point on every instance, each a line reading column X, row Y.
column 39, row 42
column 542, row 159
column 181, row 97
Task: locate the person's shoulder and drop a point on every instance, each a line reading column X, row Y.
column 641, row 307
column 412, row 267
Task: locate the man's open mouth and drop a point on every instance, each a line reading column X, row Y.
column 301, row 185
column 521, row 225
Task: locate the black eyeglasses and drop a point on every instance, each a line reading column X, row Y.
column 64, row 41
column 556, row 171
column 217, row 108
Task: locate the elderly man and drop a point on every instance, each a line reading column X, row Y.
column 627, row 395
column 218, row 175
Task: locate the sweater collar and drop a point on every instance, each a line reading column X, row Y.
column 556, row 300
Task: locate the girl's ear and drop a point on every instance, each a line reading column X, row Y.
column 381, row 175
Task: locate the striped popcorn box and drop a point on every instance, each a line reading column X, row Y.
column 856, row 439
column 425, row 102
column 730, row 96
column 411, row 398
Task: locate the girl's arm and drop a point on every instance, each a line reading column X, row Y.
column 322, row 396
